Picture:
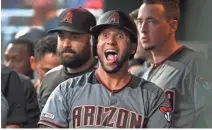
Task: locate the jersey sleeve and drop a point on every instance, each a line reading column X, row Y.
column 160, row 115
column 45, row 90
column 203, row 95
column 55, row 111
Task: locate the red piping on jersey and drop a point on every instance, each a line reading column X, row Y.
column 169, row 57
column 51, row 123
column 113, row 91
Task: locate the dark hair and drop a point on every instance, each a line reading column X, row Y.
column 29, row 44
column 171, row 7
column 47, row 44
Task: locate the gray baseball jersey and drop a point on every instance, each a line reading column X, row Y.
column 203, row 95
column 54, row 77
column 176, row 75
column 85, row 101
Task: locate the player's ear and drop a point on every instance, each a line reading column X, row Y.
column 32, row 63
column 173, row 25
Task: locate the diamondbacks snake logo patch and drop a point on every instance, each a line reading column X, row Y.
column 167, row 112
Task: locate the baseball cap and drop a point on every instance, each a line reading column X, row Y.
column 32, row 34
column 77, row 20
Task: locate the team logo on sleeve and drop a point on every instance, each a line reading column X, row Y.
column 68, row 17
column 167, row 112
column 204, row 83
column 114, row 18
column 48, row 115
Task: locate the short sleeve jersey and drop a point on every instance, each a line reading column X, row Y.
column 176, row 75
column 85, row 102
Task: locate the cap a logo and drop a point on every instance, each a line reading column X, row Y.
column 68, row 17
column 114, row 18
column 167, row 112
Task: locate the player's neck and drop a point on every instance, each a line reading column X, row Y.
column 165, row 51
column 116, row 80
column 84, row 67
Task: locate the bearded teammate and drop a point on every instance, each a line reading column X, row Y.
column 175, row 67
column 109, row 96
column 74, row 49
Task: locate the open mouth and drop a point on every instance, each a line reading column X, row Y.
column 111, row 55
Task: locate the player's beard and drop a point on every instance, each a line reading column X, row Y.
column 77, row 60
column 119, row 64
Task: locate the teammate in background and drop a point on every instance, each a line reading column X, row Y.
column 175, row 67
column 45, row 57
column 17, row 56
column 109, row 96
column 74, row 50
column 18, row 52
column 142, row 58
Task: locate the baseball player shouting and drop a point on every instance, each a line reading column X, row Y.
column 109, row 96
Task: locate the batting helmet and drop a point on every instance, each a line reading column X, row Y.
column 117, row 19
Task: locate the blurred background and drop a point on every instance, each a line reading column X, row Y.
column 195, row 28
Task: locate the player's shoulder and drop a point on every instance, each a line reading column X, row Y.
column 24, row 77
column 54, row 70
column 52, row 79
column 53, row 75
column 148, row 86
column 72, row 85
column 190, row 55
column 5, row 71
column 78, row 81
column 26, row 81
column 173, row 67
column 8, row 77
column 192, row 59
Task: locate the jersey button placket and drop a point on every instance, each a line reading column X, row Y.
column 113, row 99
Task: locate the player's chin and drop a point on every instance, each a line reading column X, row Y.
column 111, row 70
column 67, row 56
column 148, row 47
